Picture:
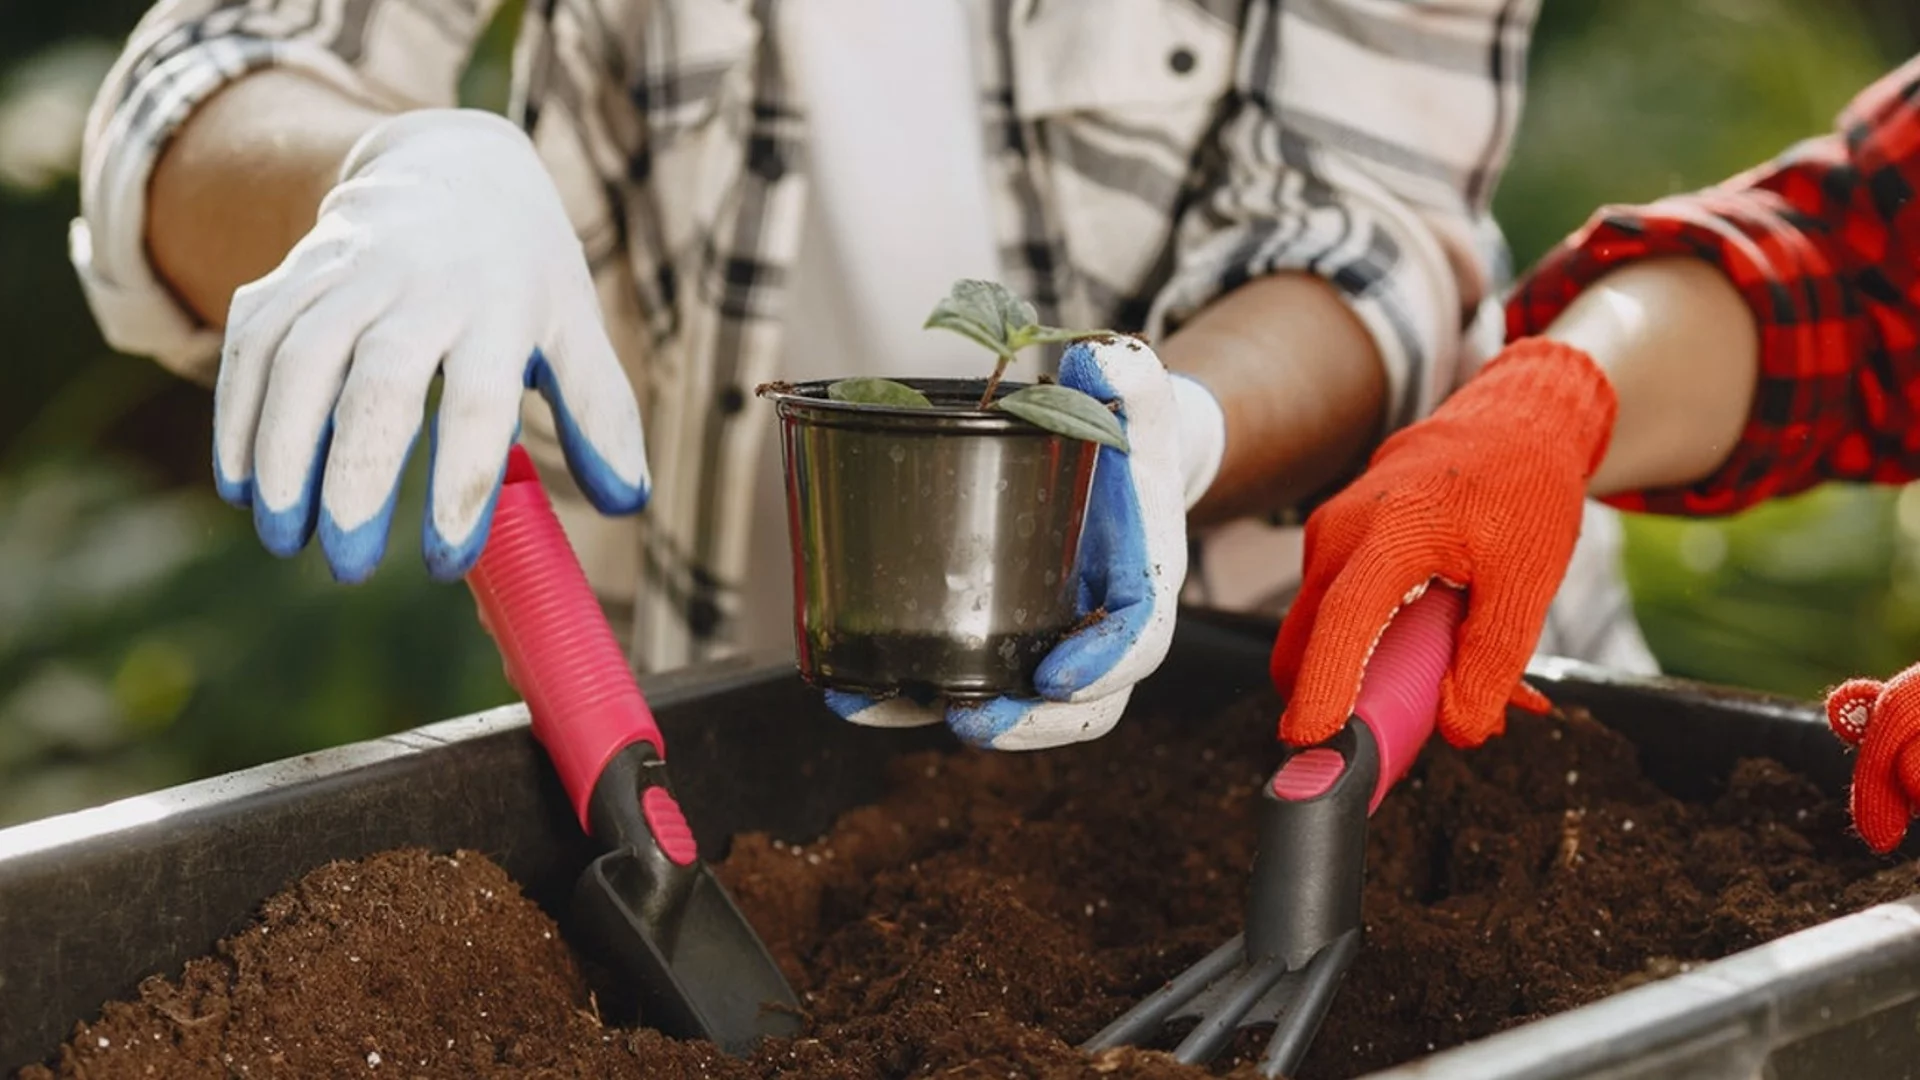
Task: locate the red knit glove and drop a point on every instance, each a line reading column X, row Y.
column 1484, row 495
column 1883, row 720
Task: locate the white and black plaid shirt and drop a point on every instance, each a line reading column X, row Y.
column 1145, row 156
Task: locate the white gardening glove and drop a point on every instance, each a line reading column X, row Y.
column 444, row 249
column 1133, row 559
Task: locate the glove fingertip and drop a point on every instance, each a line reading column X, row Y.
column 449, row 558
column 1879, row 835
column 979, row 726
column 1471, row 736
column 1320, row 691
column 235, row 492
column 1076, row 663
column 1850, row 706
column 1528, row 698
column 450, row 554
column 354, row 554
column 1880, row 812
column 1122, row 644
column 1468, row 718
column 1885, row 844
column 898, row 711
column 614, row 487
column 1306, row 723
column 601, row 483
column 847, row 705
column 449, row 562
column 286, row 531
column 1080, row 370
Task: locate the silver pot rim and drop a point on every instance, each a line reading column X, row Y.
column 808, row 402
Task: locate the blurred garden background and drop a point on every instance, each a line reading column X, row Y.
column 147, row 639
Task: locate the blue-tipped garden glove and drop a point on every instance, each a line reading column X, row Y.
column 443, row 249
column 1133, row 560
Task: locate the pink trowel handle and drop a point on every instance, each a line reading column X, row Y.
column 1400, row 692
column 559, row 651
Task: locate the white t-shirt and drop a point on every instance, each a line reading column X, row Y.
column 897, row 210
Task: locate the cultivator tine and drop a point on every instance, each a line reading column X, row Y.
column 1218, row 1026
column 1307, row 1006
column 1144, row 1019
column 1229, row 994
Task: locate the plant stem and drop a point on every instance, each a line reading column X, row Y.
column 999, row 369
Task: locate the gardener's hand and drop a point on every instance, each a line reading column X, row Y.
column 1484, row 495
column 1883, row 720
column 1133, row 559
column 444, row 249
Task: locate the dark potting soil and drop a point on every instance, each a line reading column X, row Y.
column 996, row 909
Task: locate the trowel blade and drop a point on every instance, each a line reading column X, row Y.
column 701, row 972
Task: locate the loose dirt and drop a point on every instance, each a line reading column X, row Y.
column 994, row 910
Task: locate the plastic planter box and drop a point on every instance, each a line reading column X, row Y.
column 92, row 902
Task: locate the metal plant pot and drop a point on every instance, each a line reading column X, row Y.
column 933, row 549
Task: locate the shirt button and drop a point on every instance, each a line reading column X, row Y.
column 1181, row 60
column 732, row 400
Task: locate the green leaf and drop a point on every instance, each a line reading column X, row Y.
column 870, row 391
column 1066, row 411
column 984, row 311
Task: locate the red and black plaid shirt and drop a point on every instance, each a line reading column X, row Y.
column 1824, row 244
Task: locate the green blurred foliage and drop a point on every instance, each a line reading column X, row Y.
column 145, row 638
column 1629, row 100
column 1791, row 597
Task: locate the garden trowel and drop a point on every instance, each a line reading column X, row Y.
column 1303, row 923
column 664, row 920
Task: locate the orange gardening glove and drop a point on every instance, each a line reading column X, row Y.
column 1484, row 495
column 1883, row 720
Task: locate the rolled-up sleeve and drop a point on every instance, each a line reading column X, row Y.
column 1363, row 144
column 1823, row 244
column 397, row 53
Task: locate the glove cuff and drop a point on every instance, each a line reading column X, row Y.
column 1203, row 436
column 385, row 134
column 1550, row 387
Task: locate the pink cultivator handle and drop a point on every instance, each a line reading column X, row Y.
column 1400, row 692
column 561, row 655
column 1399, row 699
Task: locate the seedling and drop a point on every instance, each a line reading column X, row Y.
column 990, row 315
column 935, row 523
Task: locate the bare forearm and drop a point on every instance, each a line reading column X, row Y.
column 1300, row 382
column 1681, row 350
column 242, row 182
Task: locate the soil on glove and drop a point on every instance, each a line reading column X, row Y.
column 996, row 909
